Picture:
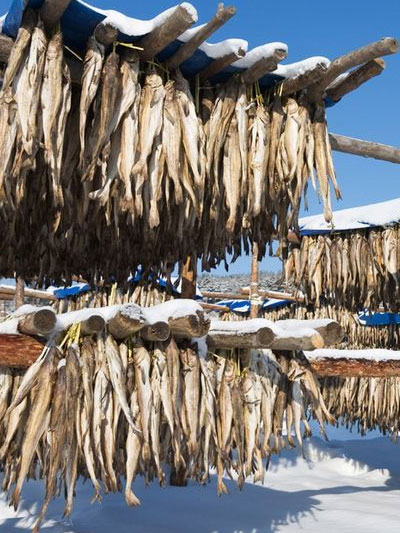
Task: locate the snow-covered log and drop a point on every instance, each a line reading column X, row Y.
column 330, row 330
column 41, row 322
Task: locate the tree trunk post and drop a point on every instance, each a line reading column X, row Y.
column 189, row 276
column 19, row 292
column 254, row 283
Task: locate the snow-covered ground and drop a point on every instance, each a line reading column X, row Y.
column 350, row 484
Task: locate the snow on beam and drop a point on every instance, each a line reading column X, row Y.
column 262, row 60
column 331, row 331
column 41, row 322
column 350, row 145
column 355, row 363
column 297, row 83
column 356, row 78
column 180, row 19
column 223, row 62
column 199, row 35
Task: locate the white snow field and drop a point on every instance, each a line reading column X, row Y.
column 350, row 484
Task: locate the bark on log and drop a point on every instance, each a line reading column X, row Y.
column 19, row 351
column 338, row 66
column 293, row 85
column 40, row 322
column 31, row 293
column 349, row 368
column 227, row 339
column 94, row 324
column 349, row 145
column 52, row 10
column 331, row 331
column 19, row 292
column 187, row 49
column 159, row 331
column 297, row 339
column 215, row 307
column 178, row 22
column 263, row 66
column 105, row 34
column 356, row 78
column 191, row 325
column 126, row 322
column 220, row 64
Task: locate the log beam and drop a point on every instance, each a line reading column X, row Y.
column 19, row 351
column 255, row 300
column 93, row 324
column 298, row 83
column 105, row 34
column 356, row 78
column 41, row 322
column 127, row 321
column 159, row 331
column 297, row 339
column 19, row 292
column 349, row 145
column 52, row 10
column 350, row 368
column 215, row 307
column 183, row 16
column 342, row 64
column 331, row 331
column 189, row 326
column 187, row 49
column 263, row 66
column 217, row 66
column 188, row 277
column 255, row 333
column 30, row 293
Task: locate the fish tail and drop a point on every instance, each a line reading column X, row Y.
column 131, row 499
column 15, row 497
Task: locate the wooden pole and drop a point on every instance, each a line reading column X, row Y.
column 340, row 65
column 183, row 16
column 263, row 66
column 105, row 34
column 52, row 10
column 30, row 293
column 189, row 277
column 94, row 324
column 126, row 322
column 255, row 302
column 19, row 292
column 356, row 78
column 346, row 367
column 220, row 64
column 187, row 49
column 41, row 322
column 293, row 85
column 349, row 145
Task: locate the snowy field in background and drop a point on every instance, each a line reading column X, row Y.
column 350, row 484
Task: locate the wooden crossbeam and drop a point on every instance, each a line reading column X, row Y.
column 350, row 145
column 215, row 67
column 356, row 78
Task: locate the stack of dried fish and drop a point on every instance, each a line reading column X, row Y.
column 146, row 174
column 354, row 270
column 366, row 403
column 105, row 411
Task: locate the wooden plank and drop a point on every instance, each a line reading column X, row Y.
column 187, row 49
column 183, row 16
column 19, row 351
column 356, row 78
column 350, row 145
column 52, row 10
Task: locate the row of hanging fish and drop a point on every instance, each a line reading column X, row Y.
column 131, row 163
column 354, row 270
column 109, row 413
column 364, row 403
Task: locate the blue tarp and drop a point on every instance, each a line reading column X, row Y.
column 378, row 319
column 243, row 306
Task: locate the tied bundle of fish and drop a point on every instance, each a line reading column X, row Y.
column 104, row 412
column 145, row 174
column 354, row 270
column 364, row 403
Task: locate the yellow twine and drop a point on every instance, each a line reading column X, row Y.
column 128, row 45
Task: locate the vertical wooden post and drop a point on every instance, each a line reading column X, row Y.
column 19, row 292
column 189, row 276
column 254, row 279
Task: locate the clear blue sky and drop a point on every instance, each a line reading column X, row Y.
column 313, row 28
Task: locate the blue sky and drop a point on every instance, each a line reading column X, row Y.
column 314, row 28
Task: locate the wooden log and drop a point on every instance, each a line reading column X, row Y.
column 331, row 331
column 183, row 16
column 189, row 326
column 41, row 322
column 127, row 321
column 93, row 324
column 220, row 64
column 254, row 333
column 215, row 307
column 225, row 295
column 298, row 83
column 356, row 78
column 255, row 301
column 105, row 34
column 52, row 10
column 350, row 368
column 188, row 277
column 349, row 145
column 19, row 351
column 187, row 49
column 297, row 339
column 30, row 293
column 159, row 331
column 19, row 292
column 263, row 66
column 342, row 64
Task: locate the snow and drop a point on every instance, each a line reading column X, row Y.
column 2, row 19
column 292, row 70
column 376, row 355
column 379, row 214
column 254, row 55
column 350, row 484
column 135, row 27
column 240, row 327
column 171, row 309
column 216, row 50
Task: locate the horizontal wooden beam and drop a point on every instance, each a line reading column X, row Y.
column 41, row 322
column 276, row 295
column 349, row 145
column 359, row 368
column 187, row 49
column 215, row 307
column 30, row 293
column 263, row 66
column 19, row 351
column 293, row 85
column 356, row 78
column 105, row 34
column 180, row 19
column 217, row 66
